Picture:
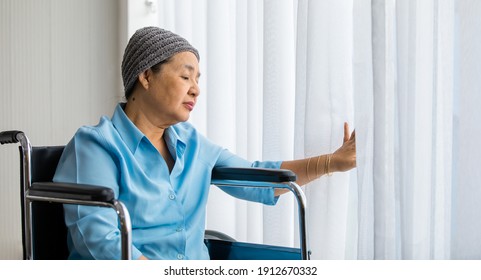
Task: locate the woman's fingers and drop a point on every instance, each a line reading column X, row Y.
column 348, row 136
column 346, row 132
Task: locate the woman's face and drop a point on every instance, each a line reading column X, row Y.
column 172, row 92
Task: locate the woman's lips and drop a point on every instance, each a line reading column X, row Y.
column 189, row 105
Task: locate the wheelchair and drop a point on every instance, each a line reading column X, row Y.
column 44, row 233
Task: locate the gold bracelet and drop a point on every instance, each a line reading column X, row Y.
column 327, row 165
column 317, row 166
column 307, row 170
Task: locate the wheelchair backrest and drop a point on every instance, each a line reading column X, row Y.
column 48, row 224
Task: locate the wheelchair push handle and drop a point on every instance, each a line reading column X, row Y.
column 10, row 136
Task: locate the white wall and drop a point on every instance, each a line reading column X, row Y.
column 60, row 69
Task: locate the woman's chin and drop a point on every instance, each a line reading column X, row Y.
column 185, row 118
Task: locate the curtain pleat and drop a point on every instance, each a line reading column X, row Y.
column 364, row 120
column 413, row 85
column 324, row 98
column 466, row 193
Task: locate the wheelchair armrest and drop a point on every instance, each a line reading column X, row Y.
column 81, row 194
column 253, row 174
column 265, row 177
column 72, row 191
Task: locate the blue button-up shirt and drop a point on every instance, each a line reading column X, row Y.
column 167, row 210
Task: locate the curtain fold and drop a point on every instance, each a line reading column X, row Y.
column 278, row 99
column 364, row 120
column 324, row 101
column 466, row 194
column 413, row 89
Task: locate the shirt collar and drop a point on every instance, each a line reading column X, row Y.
column 126, row 128
column 174, row 141
column 132, row 135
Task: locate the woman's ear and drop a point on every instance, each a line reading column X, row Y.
column 144, row 79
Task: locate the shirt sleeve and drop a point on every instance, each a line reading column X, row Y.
column 263, row 195
column 94, row 231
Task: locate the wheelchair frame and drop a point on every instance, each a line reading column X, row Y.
column 68, row 193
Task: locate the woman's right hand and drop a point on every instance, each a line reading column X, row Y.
column 344, row 158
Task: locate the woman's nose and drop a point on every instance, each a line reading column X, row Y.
column 194, row 90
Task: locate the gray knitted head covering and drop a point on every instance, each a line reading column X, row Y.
column 148, row 47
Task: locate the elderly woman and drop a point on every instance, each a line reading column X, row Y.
column 157, row 163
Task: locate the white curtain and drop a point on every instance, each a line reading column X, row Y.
column 279, row 79
column 413, row 92
column 411, row 69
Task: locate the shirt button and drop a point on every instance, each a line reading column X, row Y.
column 171, row 196
column 179, row 229
column 180, row 256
